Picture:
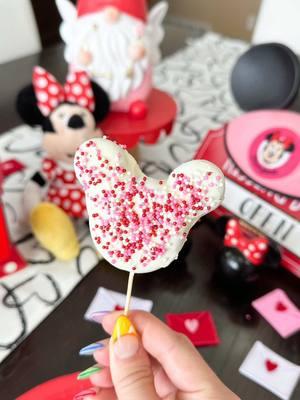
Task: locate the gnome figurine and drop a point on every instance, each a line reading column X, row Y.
column 117, row 43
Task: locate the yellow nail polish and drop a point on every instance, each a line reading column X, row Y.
column 123, row 327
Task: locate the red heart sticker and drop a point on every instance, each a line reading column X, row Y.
column 119, row 308
column 271, row 366
column 281, row 307
column 192, row 325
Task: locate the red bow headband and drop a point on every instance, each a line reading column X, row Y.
column 253, row 249
column 287, row 142
column 50, row 93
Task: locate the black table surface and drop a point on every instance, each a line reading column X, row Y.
column 52, row 349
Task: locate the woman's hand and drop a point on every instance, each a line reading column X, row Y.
column 154, row 363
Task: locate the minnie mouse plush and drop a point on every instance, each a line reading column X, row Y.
column 68, row 116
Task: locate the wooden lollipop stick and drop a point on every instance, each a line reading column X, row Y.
column 129, row 292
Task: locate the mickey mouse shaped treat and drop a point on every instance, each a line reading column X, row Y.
column 140, row 224
column 68, row 115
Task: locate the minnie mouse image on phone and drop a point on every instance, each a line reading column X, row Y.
column 68, row 115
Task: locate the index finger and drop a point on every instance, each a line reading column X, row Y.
column 180, row 360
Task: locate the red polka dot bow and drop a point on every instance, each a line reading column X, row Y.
column 50, row 93
column 254, row 248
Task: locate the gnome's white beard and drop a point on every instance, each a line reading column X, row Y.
column 111, row 67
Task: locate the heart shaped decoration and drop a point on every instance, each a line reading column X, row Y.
column 281, row 307
column 271, row 366
column 192, row 325
column 119, row 308
column 138, row 223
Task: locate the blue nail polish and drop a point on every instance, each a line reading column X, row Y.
column 98, row 316
column 90, row 349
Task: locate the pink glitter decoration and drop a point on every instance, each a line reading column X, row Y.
column 135, row 220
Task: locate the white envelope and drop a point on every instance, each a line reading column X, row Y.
column 108, row 300
column 271, row 371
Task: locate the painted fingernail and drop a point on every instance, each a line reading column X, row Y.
column 125, row 339
column 123, row 327
column 89, row 372
column 98, row 316
column 82, row 395
column 91, row 348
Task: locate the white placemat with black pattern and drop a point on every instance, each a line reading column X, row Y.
column 198, row 77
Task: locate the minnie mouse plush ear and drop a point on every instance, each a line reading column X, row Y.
column 102, row 103
column 27, row 107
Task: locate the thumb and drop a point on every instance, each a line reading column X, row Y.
column 130, row 364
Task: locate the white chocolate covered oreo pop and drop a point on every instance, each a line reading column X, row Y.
column 140, row 224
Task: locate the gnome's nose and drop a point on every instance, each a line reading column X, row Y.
column 76, row 122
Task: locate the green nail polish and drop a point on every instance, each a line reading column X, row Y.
column 88, row 372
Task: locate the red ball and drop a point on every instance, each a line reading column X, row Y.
column 139, row 110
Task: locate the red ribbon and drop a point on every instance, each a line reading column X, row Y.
column 50, row 93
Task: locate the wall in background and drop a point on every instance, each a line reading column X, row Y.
column 235, row 18
column 19, row 34
column 278, row 21
column 48, row 20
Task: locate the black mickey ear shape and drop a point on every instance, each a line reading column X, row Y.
column 273, row 257
column 221, row 224
column 27, row 107
column 102, row 102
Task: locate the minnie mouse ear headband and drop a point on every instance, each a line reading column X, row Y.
column 253, row 248
column 50, row 93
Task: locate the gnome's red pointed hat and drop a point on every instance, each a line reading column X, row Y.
column 135, row 8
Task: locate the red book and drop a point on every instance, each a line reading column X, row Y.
column 259, row 154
